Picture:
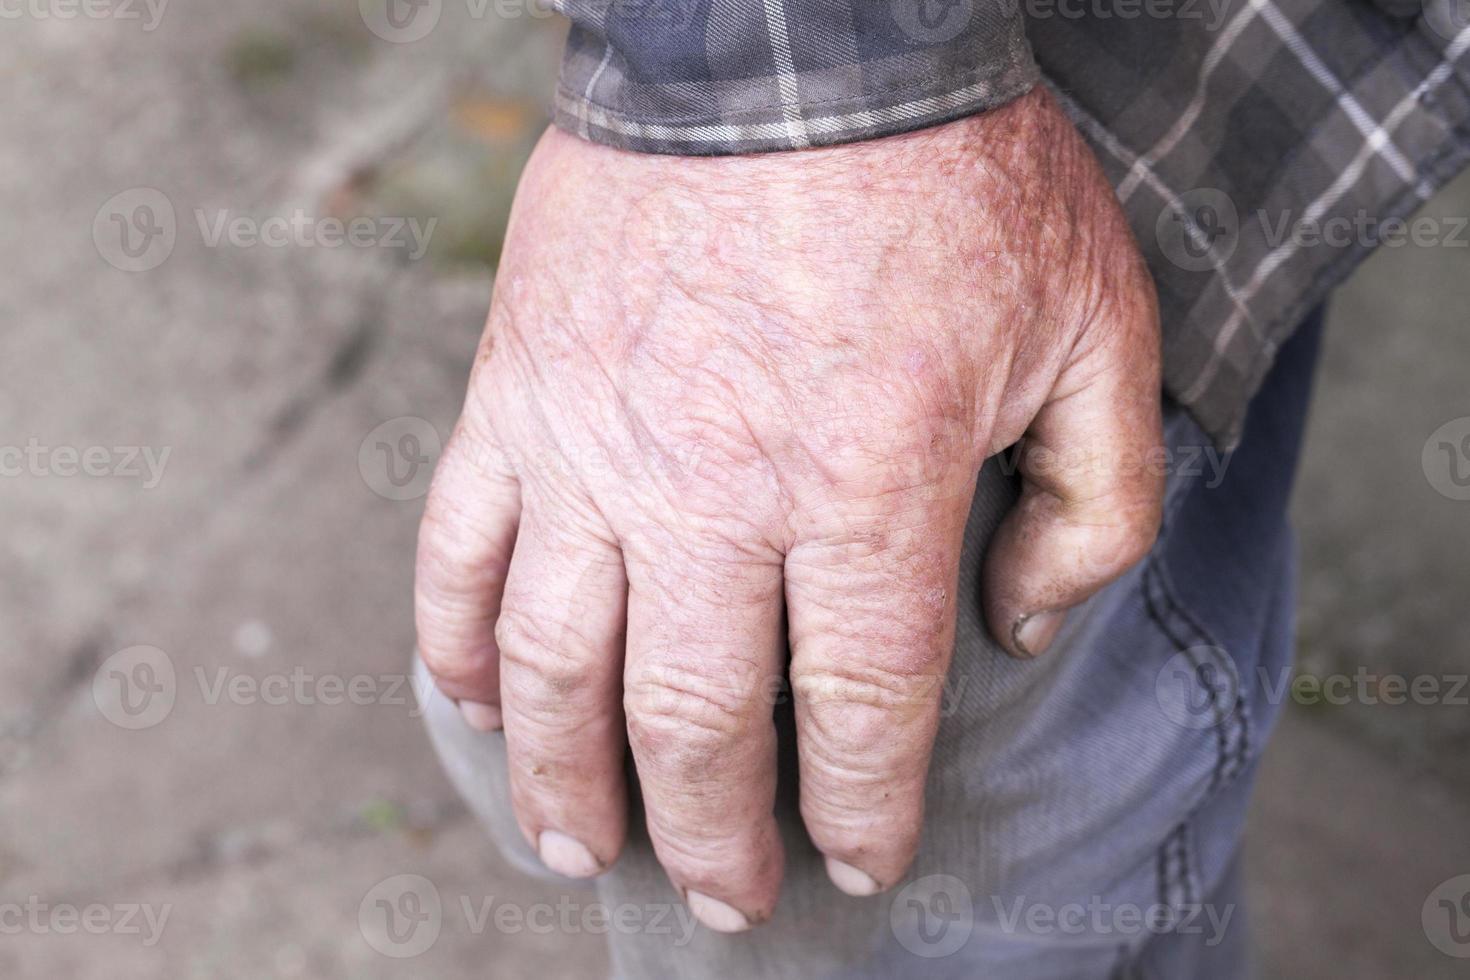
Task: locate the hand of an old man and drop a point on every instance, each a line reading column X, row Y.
column 724, row 407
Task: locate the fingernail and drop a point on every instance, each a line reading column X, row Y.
column 716, row 914
column 566, row 855
column 1034, row 632
column 481, row 717
column 851, row 880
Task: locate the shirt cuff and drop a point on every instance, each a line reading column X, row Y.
column 705, row 77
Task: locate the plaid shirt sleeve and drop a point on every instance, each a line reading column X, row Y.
column 1235, row 131
column 742, row 76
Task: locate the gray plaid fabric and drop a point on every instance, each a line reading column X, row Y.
column 1243, row 136
column 739, row 76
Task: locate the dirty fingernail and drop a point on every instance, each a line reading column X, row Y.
column 851, row 880
column 716, row 914
column 1034, row 632
column 566, row 855
column 481, row 717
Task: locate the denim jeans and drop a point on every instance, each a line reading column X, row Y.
column 1084, row 810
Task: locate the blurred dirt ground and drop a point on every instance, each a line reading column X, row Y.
column 267, row 557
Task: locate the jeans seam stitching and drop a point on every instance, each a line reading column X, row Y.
column 1240, row 711
column 1157, row 594
column 1152, row 606
column 1165, row 857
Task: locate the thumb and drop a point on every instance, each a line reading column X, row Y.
column 1092, row 467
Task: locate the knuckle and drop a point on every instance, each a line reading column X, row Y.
column 860, row 715
column 440, row 549
column 451, row 635
column 721, row 855
column 454, row 635
column 860, row 821
column 903, row 458
column 1116, row 547
column 694, row 853
column 856, row 813
column 684, row 715
column 456, row 552
column 723, row 567
column 1116, row 520
column 1139, row 516
column 702, row 851
column 541, row 666
column 453, row 657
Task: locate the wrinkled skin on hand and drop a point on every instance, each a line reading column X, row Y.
column 723, row 406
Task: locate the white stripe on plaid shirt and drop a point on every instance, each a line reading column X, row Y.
column 1373, row 145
